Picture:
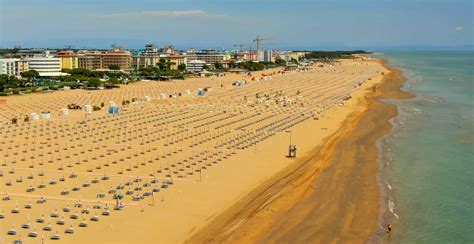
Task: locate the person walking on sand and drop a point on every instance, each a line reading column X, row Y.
column 389, row 228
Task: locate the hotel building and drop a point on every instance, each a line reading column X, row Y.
column 96, row 60
column 208, row 56
column 68, row 59
column 146, row 58
column 46, row 66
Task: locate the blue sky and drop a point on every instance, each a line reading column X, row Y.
column 293, row 24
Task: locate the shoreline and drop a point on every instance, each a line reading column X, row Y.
column 299, row 185
column 387, row 213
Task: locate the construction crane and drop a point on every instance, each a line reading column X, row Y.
column 259, row 40
column 241, row 46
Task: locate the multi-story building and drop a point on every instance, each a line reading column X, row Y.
column 122, row 59
column 103, row 60
column 167, row 49
column 250, row 56
column 151, row 48
column 208, row 56
column 45, row 65
column 21, row 66
column 8, row 66
column 86, row 61
column 150, row 57
column 146, row 58
column 195, row 66
column 30, row 53
column 297, row 55
column 287, row 55
column 175, row 60
column 265, row 56
column 68, row 59
column 283, row 55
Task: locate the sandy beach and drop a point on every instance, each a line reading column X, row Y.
column 329, row 195
column 209, row 168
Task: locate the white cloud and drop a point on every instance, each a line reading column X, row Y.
column 165, row 14
column 459, row 29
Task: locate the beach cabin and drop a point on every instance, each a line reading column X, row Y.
column 239, row 83
column 45, row 115
column 88, row 108
column 34, row 116
column 112, row 104
column 64, row 111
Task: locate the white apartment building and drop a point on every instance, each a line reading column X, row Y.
column 209, row 57
column 13, row 66
column 8, row 66
column 265, row 56
column 45, row 65
column 195, row 66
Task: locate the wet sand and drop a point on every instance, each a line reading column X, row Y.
column 329, row 195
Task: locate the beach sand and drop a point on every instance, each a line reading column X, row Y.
column 225, row 154
column 329, row 195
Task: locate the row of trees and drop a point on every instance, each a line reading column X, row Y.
column 330, row 55
column 12, row 84
column 77, row 78
column 249, row 65
column 161, row 69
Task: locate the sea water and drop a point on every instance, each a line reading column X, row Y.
column 428, row 159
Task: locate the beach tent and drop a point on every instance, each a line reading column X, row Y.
column 201, row 92
column 113, row 110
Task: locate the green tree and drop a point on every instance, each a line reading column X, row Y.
column 163, row 65
column 114, row 81
column 66, row 71
column 30, row 74
column 205, row 67
column 232, row 64
column 169, row 64
column 280, row 62
column 114, row 67
column 182, row 67
column 94, row 82
column 218, row 66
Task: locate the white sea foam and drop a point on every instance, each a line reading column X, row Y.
column 391, row 206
